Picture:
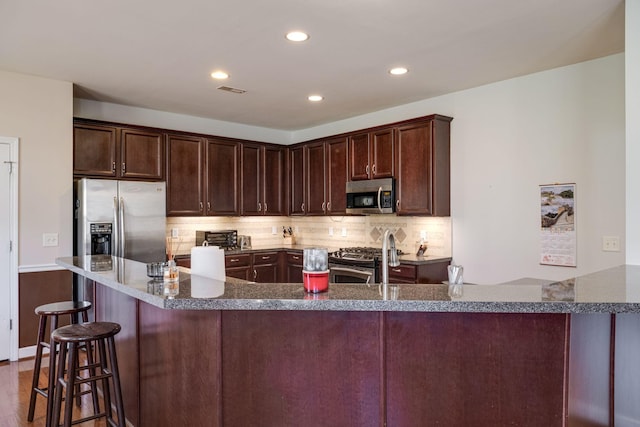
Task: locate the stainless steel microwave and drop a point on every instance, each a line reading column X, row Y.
column 374, row 196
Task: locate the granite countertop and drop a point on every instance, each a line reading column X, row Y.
column 615, row 290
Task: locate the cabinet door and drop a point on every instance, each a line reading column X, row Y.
column 414, row 186
column 359, row 157
column 141, row 154
column 315, row 176
column 382, row 154
column 296, row 181
column 251, row 182
column 337, row 160
column 94, row 150
column 223, row 176
column 265, row 273
column 273, row 179
column 244, row 273
column 423, row 168
column 185, row 165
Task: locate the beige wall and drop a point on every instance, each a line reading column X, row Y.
column 40, row 112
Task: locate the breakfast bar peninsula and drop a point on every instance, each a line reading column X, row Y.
column 235, row 353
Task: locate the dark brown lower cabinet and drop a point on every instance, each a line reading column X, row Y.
column 290, row 368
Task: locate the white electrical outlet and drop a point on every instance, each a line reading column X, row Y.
column 50, row 239
column 611, row 243
column 174, row 233
column 330, row 231
column 344, row 231
column 274, row 230
column 423, row 234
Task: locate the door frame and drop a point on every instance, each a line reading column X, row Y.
column 13, row 235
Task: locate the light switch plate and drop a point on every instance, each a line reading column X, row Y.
column 330, row 231
column 50, row 239
column 344, row 231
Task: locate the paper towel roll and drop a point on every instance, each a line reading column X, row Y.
column 208, row 261
column 203, row 287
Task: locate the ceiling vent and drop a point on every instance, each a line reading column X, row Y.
column 231, row 89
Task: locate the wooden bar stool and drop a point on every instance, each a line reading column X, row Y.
column 52, row 311
column 70, row 338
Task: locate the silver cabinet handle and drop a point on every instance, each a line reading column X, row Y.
column 255, row 274
column 234, row 260
column 398, row 203
column 324, row 205
column 208, row 207
column 265, row 257
column 329, row 206
column 302, row 206
column 366, row 170
column 201, row 206
column 374, row 169
column 113, row 167
column 124, row 167
column 296, row 257
column 397, row 270
column 265, row 207
column 259, row 207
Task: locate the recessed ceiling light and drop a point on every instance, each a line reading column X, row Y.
column 219, row 75
column 398, row 71
column 315, row 98
column 297, row 36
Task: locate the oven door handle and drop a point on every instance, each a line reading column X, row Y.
column 364, row 275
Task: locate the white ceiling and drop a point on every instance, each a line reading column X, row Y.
column 158, row 54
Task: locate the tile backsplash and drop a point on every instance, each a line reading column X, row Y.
column 332, row 232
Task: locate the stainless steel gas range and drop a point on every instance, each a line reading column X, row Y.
column 355, row 265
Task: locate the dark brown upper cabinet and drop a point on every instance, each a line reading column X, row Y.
column 371, row 155
column 263, row 169
column 116, row 152
column 422, row 155
column 318, row 177
column 202, row 176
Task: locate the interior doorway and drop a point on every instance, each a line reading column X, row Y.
column 8, row 248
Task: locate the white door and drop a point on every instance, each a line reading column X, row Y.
column 5, row 252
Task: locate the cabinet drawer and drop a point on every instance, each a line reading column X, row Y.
column 294, row 258
column 265, row 258
column 241, row 260
column 403, row 271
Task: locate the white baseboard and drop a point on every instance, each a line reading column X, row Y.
column 26, row 352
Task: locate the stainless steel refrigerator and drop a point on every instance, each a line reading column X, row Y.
column 125, row 219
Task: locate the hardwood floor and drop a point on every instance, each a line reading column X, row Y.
column 15, row 391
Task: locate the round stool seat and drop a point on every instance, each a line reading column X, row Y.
column 62, row 307
column 81, row 332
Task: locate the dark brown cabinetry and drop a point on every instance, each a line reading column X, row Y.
column 297, row 181
column 265, row 267
column 423, row 273
column 202, row 176
column 294, row 267
column 222, row 177
column 318, row 176
column 263, row 171
column 115, row 152
column 185, row 169
column 422, row 157
column 371, row 155
column 238, row 266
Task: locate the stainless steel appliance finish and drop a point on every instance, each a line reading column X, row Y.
column 374, row 196
column 355, row 265
column 224, row 239
column 120, row 218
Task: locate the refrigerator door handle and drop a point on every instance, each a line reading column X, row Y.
column 116, row 229
column 123, row 243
